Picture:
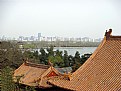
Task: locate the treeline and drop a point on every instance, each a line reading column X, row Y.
column 57, row 58
column 11, row 57
column 40, row 44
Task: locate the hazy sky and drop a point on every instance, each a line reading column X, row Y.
column 64, row 18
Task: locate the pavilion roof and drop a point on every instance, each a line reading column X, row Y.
column 34, row 74
column 101, row 72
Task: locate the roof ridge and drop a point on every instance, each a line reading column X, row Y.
column 36, row 65
column 114, row 38
column 111, row 37
column 51, row 68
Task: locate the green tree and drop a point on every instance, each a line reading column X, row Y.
column 28, row 54
column 15, row 57
column 65, row 58
column 10, row 55
column 77, row 59
column 7, row 83
column 43, row 56
column 6, row 45
column 36, row 54
column 57, row 59
column 71, row 60
column 28, row 88
column 59, row 53
column 84, row 58
column 50, row 51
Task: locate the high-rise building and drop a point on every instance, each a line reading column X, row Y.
column 39, row 36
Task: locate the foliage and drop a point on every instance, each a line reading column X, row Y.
column 65, row 58
column 7, row 83
column 10, row 55
column 43, row 56
column 56, row 60
column 77, row 57
column 76, row 61
column 84, row 58
column 36, row 54
column 71, row 60
column 55, row 57
column 28, row 46
column 28, row 88
column 50, row 51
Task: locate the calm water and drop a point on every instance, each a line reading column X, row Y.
column 72, row 50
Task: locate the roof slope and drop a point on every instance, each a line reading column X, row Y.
column 36, row 74
column 45, row 76
column 101, row 72
column 30, row 73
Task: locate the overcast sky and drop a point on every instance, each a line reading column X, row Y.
column 64, row 18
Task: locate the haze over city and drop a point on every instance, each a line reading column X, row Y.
column 64, row 18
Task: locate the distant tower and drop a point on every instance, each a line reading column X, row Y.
column 39, row 35
column 20, row 38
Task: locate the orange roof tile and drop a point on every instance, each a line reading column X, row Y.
column 45, row 77
column 101, row 72
column 34, row 74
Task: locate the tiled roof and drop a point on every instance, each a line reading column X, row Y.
column 101, row 72
column 34, row 74
column 45, row 77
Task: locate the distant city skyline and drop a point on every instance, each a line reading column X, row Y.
column 39, row 37
column 62, row 18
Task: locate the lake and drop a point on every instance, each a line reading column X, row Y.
column 72, row 50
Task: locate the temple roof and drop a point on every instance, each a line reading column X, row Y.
column 34, row 74
column 101, row 72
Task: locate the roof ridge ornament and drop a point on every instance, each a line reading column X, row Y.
column 108, row 33
column 25, row 61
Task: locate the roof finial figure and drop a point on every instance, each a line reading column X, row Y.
column 108, row 33
column 24, row 60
